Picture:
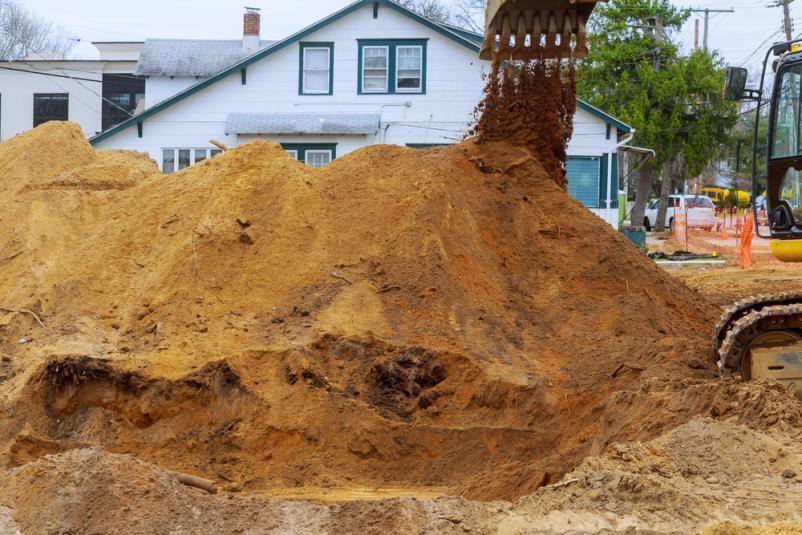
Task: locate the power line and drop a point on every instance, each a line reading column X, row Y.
column 41, row 73
column 707, row 12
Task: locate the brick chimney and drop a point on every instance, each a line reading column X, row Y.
column 250, row 30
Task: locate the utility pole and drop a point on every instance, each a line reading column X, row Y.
column 707, row 13
column 654, row 25
column 787, row 20
column 787, row 25
column 696, row 35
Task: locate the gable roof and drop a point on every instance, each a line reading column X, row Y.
column 468, row 39
column 190, row 57
column 279, row 45
column 623, row 127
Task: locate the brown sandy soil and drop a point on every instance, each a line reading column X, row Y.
column 727, row 284
column 399, row 323
column 718, row 476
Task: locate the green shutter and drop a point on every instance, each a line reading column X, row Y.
column 614, row 180
column 583, row 179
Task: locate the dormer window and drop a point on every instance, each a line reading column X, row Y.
column 316, row 72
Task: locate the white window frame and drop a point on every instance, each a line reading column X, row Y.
column 192, row 160
column 293, row 153
column 318, row 151
column 327, row 71
column 419, row 89
column 387, row 69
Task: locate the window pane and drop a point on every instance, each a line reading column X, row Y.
column 316, row 59
column 791, row 192
column 200, row 155
column 409, row 67
column 318, row 158
column 376, row 62
column 317, row 81
column 787, row 120
column 183, row 158
column 50, row 107
column 293, row 153
column 214, row 152
column 374, row 68
column 408, row 80
column 316, row 70
column 168, row 160
column 372, row 83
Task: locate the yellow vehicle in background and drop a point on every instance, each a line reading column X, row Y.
column 720, row 195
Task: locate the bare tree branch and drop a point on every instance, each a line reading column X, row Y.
column 470, row 14
column 434, row 10
column 23, row 33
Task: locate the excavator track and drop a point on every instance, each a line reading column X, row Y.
column 753, row 317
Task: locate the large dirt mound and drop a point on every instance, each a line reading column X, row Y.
column 447, row 318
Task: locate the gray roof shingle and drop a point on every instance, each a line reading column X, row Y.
column 302, row 123
column 189, row 57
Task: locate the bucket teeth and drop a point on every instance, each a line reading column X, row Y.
column 565, row 38
column 526, row 33
column 581, row 48
column 505, row 33
column 550, row 50
column 520, row 34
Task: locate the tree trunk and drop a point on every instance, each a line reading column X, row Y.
column 668, row 173
column 643, row 188
column 672, row 170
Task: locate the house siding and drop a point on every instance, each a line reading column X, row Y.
column 454, row 85
column 17, row 89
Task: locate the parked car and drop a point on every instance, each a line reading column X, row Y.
column 701, row 212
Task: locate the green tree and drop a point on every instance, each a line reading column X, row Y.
column 634, row 71
column 739, row 149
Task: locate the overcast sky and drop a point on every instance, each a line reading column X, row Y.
column 736, row 35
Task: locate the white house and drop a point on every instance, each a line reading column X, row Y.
column 373, row 72
column 96, row 94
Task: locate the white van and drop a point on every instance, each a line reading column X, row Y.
column 700, row 209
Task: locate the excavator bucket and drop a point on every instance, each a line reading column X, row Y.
column 532, row 29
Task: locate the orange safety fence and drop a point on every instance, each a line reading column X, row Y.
column 680, row 229
column 746, row 242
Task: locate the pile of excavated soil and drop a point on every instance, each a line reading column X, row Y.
column 400, row 322
column 446, row 318
column 56, row 155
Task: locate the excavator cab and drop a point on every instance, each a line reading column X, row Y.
column 761, row 336
column 784, row 146
column 536, row 29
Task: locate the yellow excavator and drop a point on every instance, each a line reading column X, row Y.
column 761, row 337
column 536, row 29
